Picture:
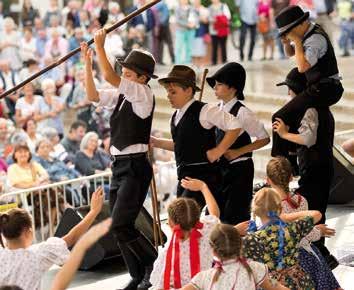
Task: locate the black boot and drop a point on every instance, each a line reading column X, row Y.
column 135, row 269
column 147, row 254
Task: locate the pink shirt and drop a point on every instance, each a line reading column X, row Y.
column 263, row 9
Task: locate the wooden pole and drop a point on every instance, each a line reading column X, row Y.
column 76, row 50
column 205, row 73
column 158, row 239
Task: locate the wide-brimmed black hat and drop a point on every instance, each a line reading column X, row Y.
column 232, row 74
column 290, row 17
column 181, row 74
column 295, row 81
column 141, row 62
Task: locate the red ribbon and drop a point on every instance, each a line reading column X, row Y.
column 175, row 247
column 292, row 203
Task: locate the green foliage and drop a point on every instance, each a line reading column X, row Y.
column 230, row 3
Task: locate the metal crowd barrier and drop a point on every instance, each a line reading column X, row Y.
column 46, row 203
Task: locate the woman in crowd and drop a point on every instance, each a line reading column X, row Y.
column 265, row 29
column 50, row 108
column 27, row 107
column 90, row 159
column 219, row 17
column 28, row 13
column 57, row 170
column 9, row 44
column 32, row 137
column 58, row 150
column 25, row 173
column 28, row 45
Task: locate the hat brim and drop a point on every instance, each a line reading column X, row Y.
column 179, row 81
column 282, row 84
column 211, row 81
column 283, row 31
column 136, row 69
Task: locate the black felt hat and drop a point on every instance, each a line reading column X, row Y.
column 141, row 62
column 232, row 74
column 181, row 74
column 290, row 17
column 295, row 81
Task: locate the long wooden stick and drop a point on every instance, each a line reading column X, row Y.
column 76, row 50
column 203, row 84
column 158, row 239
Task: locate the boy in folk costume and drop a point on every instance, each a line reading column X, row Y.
column 314, row 142
column 193, row 133
column 132, row 103
column 237, row 169
column 315, row 57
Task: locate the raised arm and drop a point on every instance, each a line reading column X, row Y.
column 66, row 274
column 76, row 232
column 106, row 68
column 199, row 185
column 91, row 91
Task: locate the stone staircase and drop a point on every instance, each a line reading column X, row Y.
column 264, row 98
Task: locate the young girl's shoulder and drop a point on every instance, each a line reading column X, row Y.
column 208, row 221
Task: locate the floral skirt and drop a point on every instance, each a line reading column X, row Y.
column 318, row 269
column 294, row 278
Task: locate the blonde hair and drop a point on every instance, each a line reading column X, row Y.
column 279, row 171
column 264, row 201
column 184, row 212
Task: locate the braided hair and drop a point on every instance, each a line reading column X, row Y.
column 264, row 201
column 225, row 240
column 184, row 212
column 279, row 171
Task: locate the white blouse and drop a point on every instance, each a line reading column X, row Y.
column 205, row 252
column 26, row 267
column 233, row 276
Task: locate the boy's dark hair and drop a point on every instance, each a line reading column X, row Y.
column 147, row 77
column 10, row 287
column 77, row 124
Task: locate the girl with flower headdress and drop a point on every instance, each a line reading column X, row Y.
column 188, row 251
column 276, row 242
column 231, row 270
column 279, row 175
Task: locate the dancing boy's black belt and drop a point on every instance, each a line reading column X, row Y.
column 128, row 156
column 200, row 167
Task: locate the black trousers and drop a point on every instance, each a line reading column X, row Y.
column 130, row 182
column 210, row 174
column 253, row 32
column 314, row 185
column 323, row 94
column 165, row 37
column 215, row 41
column 237, row 190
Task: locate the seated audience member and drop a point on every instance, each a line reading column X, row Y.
column 50, row 108
column 4, row 137
column 57, row 170
column 24, row 264
column 27, row 106
column 72, row 141
column 31, row 67
column 25, row 173
column 8, row 79
column 90, row 159
column 30, row 129
column 231, row 270
column 58, row 150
